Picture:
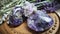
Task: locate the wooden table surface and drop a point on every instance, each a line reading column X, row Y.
column 58, row 13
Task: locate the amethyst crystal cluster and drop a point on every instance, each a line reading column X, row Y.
column 37, row 20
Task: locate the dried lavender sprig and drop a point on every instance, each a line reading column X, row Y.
column 12, row 4
column 2, row 12
column 8, row 5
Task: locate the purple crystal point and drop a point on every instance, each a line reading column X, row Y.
column 39, row 21
column 15, row 18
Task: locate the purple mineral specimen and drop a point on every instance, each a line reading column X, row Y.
column 15, row 18
column 39, row 21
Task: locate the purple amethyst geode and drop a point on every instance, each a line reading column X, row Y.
column 39, row 21
column 15, row 17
